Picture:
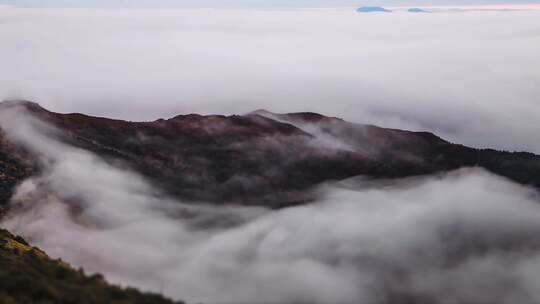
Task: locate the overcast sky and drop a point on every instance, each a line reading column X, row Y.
column 244, row 3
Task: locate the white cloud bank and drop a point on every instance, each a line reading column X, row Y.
column 465, row 237
column 473, row 78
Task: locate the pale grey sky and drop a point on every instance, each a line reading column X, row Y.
column 245, row 3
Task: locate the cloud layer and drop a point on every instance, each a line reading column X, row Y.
column 244, row 3
column 471, row 77
column 464, row 237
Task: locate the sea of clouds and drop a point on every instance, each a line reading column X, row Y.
column 472, row 77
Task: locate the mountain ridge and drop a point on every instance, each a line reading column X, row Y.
column 260, row 158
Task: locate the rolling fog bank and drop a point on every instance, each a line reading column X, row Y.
column 464, row 236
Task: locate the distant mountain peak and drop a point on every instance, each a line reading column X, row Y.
column 417, row 10
column 372, row 9
column 261, row 112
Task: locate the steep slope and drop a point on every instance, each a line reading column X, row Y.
column 260, row 158
column 15, row 165
column 29, row 276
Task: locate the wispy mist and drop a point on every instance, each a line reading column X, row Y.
column 467, row 236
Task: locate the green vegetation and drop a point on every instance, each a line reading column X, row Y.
column 29, row 276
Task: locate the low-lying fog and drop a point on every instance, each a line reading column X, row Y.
column 464, row 237
column 471, row 77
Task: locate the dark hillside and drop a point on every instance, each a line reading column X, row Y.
column 29, row 276
column 261, row 158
